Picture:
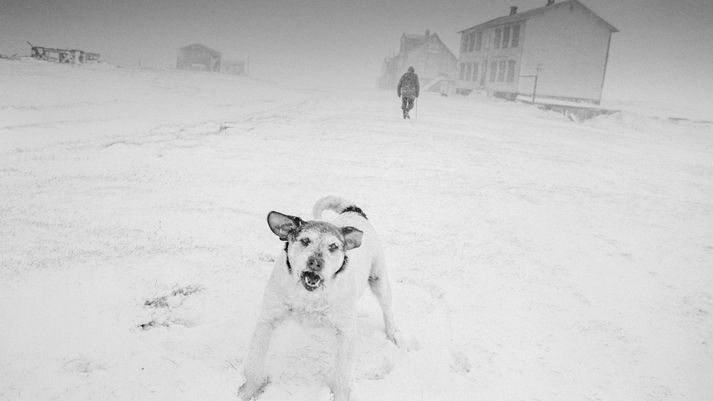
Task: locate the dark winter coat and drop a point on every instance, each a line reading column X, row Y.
column 408, row 85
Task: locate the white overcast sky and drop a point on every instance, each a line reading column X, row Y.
column 664, row 49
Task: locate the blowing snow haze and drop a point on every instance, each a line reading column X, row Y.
column 663, row 52
column 533, row 253
column 533, row 257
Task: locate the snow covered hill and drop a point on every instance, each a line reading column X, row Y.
column 532, row 258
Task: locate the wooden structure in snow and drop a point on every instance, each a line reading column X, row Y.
column 198, row 57
column 64, row 56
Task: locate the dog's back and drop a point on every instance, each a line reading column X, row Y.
column 337, row 204
column 369, row 254
column 348, row 214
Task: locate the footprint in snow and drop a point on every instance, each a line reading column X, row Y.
column 460, row 362
column 82, row 365
column 164, row 308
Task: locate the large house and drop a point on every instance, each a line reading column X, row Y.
column 434, row 62
column 198, row 57
column 558, row 51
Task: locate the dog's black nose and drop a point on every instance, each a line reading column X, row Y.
column 315, row 264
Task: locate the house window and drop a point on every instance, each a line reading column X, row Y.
column 475, row 72
column 515, row 36
column 496, row 41
column 468, row 71
column 463, row 43
column 461, row 72
column 501, row 70
column 471, row 40
column 493, row 70
column 506, row 36
column 511, row 71
column 478, row 41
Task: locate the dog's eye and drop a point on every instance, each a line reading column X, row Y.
column 333, row 247
column 305, row 241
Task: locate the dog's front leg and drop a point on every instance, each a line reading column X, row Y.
column 255, row 376
column 346, row 337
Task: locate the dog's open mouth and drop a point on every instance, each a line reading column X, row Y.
column 311, row 280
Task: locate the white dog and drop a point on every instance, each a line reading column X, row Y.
column 324, row 270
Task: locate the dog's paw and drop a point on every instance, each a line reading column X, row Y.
column 396, row 337
column 252, row 390
column 402, row 342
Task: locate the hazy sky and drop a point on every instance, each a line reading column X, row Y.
column 664, row 48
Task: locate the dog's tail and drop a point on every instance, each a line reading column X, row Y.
column 339, row 205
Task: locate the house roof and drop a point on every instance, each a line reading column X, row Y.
column 529, row 13
column 418, row 41
column 415, row 36
column 195, row 46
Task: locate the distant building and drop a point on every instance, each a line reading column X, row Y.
column 558, row 51
column 64, row 56
column 198, row 57
column 435, row 64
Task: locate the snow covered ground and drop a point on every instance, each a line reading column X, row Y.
column 532, row 258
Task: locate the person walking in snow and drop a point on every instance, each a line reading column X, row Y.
column 408, row 90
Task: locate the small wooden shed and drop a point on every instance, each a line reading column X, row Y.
column 198, row 57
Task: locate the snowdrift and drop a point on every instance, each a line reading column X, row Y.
column 531, row 257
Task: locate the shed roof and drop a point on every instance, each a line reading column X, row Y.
column 417, row 41
column 198, row 46
column 540, row 10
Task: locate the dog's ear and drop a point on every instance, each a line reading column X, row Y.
column 352, row 237
column 282, row 225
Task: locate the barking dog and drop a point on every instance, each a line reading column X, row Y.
column 322, row 273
